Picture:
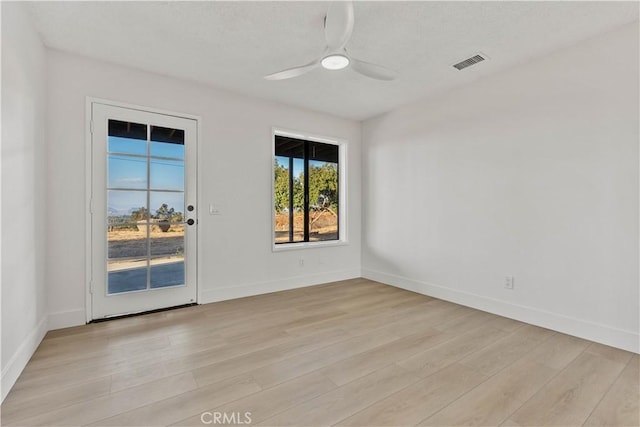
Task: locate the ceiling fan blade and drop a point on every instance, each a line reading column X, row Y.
column 338, row 24
column 293, row 72
column 374, row 71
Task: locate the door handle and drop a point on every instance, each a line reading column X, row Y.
column 190, row 221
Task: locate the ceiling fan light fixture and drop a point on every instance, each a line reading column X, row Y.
column 335, row 62
column 338, row 26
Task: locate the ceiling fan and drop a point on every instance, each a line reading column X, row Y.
column 338, row 26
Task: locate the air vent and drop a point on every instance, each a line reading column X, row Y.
column 469, row 62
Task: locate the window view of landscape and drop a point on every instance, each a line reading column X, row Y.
column 145, row 202
column 306, row 184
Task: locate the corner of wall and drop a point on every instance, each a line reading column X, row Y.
column 538, row 181
column 66, row 319
column 626, row 340
column 21, row 357
column 24, row 311
column 267, row 287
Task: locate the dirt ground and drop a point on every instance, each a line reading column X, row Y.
column 324, row 226
column 133, row 243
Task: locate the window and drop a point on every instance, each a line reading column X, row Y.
column 306, row 191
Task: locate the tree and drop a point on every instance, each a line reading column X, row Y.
column 323, row 187
column 298, row 192
column 281, row 187
column 177, row 217
column 139, row 214
column 164, row 212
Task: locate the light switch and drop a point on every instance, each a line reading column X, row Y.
column 213, row 210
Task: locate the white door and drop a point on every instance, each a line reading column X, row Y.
column 143, row 211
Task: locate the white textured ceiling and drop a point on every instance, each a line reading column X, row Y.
column 233, row 44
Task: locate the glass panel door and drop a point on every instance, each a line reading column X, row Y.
column 148, row 211
column 145, row 207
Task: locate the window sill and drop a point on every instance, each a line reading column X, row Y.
column 307, row 245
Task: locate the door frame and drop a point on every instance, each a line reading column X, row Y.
column 89, row 101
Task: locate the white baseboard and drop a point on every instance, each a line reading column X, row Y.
column 223, row 294
column 66, row 319
column 624, row 339
column 21, row 357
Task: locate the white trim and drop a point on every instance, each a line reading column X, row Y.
column 604, row 334
column 143, row 108
column 343, row 177
column 87, row 194
column 308, row 245
column 89, row 102
column 199, row 200
column 66, row 319
column 259, row 288
column 20, row 358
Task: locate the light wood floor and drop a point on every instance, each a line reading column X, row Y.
column 347, row 353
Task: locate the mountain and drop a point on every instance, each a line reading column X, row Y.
column 111, row 211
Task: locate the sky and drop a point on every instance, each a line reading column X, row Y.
column 129, row 173
column 126, row 172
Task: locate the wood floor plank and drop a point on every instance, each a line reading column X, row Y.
column 173, row 361
column 110, row 352
column 344, row 401
column 572, row 395
column 115, row 403
column 70, row 374
column 620, row 406
column 295, row 366
column 354, row 352
column 558, row 351
column 269, row 402
column 250, row 361
column 351, row 321
column 123, row 327
column 132, row 328
column 263, row 349
column 384, row 314
column 18, row 406
column 369, row 361
column 275, row 320
column 183, row 405
column 502, row 353
column 404, row 322
column 494, row 400
column 462, row 324
column 433, row 359
column 418, row 401
column 609, row 353
column 506, row 324
column 416, row 318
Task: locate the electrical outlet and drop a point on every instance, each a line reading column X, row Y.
column 508, row 282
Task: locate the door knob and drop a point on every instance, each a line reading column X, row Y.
column 190, row 208
column 190, row 221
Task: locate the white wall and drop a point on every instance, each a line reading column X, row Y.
column 235, row 149
column 532, row 172
column 23, row 192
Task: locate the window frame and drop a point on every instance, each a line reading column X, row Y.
column 342, row 190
